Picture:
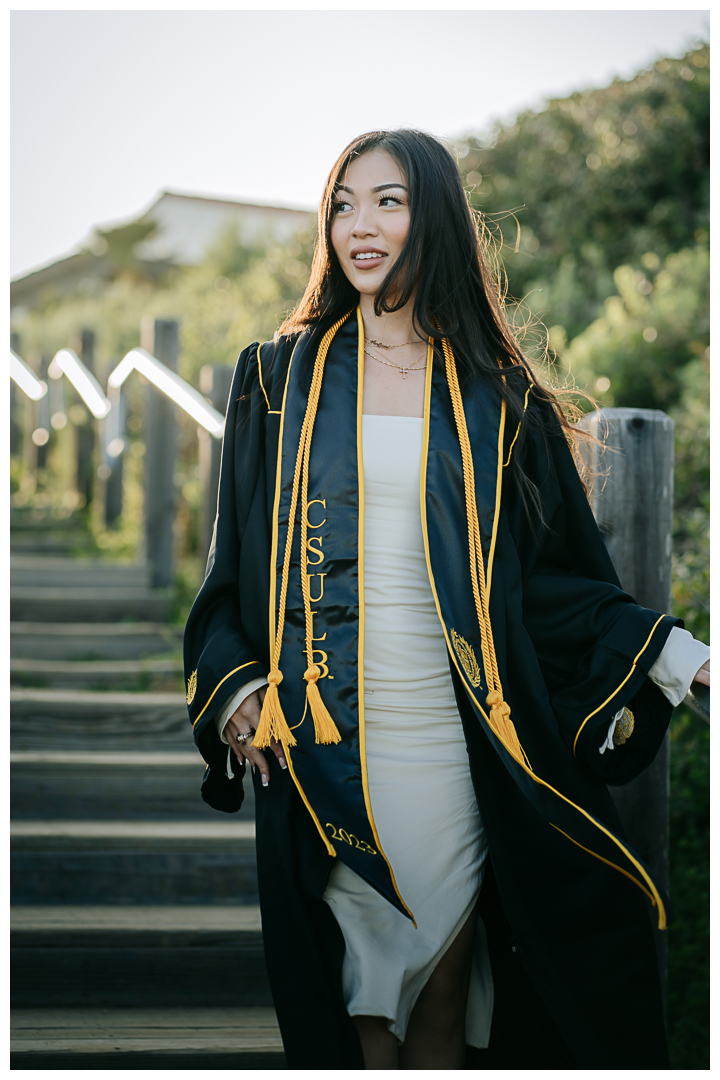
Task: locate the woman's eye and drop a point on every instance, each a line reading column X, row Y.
column 390, row 199
column 340, row 207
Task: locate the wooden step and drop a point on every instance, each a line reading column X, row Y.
column 87, row 604
column 42, row 518
column 86, row 918
column 152, row 831
column 50, row 543
column 96, row 720
column 56, row 572
column 102, row 785
column 137, row 1038
column 93, row 641
column 104, row 757
column 138, row 956
column 153, row 674
column 134, row 862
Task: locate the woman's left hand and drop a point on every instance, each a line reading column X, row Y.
column 703, row 675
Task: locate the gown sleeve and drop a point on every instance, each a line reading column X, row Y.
column 218, row 658
column 595, row 645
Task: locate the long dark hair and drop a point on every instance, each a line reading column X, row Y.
column 444, row 263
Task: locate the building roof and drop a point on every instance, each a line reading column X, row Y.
column 186, row 226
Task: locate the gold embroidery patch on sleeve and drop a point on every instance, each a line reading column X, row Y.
column 467, row 658
column 624, row 728
column 192, row 687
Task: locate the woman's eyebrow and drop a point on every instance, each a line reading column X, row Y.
column 380, row 187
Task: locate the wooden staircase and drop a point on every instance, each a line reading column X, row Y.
column 135, row 926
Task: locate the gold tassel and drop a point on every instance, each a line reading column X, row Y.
column 503, row 725
column 273, row 724
column 325, row 730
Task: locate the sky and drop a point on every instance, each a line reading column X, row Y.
column 109, row 108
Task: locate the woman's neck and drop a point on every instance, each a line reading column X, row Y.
column 391, row 328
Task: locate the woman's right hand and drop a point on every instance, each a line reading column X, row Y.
column 244, row 721
column 703, row 675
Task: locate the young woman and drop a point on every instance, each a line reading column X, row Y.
column 411, row 630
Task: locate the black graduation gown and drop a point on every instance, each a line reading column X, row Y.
column 571, row 942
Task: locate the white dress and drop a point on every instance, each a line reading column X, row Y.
column 421, row 793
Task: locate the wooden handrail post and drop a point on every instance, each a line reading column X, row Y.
column 215, row 384
column 632, row 500
column 16, row 407
column 160, row 337
column 86, row 432
column 42, row 418
column 113, row 435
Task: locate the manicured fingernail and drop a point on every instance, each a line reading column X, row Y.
column 283, row 763
column 265, row 781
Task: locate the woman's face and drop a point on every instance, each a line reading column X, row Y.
column 371, row 219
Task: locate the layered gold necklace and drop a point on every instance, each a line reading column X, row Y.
column 402, row 368
column 382, row 345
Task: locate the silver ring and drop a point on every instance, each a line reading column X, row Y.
column 242, row 739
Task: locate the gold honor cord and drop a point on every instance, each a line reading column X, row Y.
column 499, row 719
column 273, row 724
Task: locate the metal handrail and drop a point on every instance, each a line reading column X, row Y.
column 23, row 375
column 697, row 700
column 67, row 362
column 171, row 384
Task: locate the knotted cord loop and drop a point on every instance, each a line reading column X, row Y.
column 273, row 724
column 499, row 718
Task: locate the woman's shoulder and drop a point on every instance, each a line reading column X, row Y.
column 262, row 368
column 268, row 351
column 278, row 349
column 262, row 360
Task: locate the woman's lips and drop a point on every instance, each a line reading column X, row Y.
column 367, row 264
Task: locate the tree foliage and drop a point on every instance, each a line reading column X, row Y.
column 635, row 353
column 596, row 180
column 689, row 934
column 118, row 247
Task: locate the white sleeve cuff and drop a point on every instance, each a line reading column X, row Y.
column 678, row 664
column 228, row 708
